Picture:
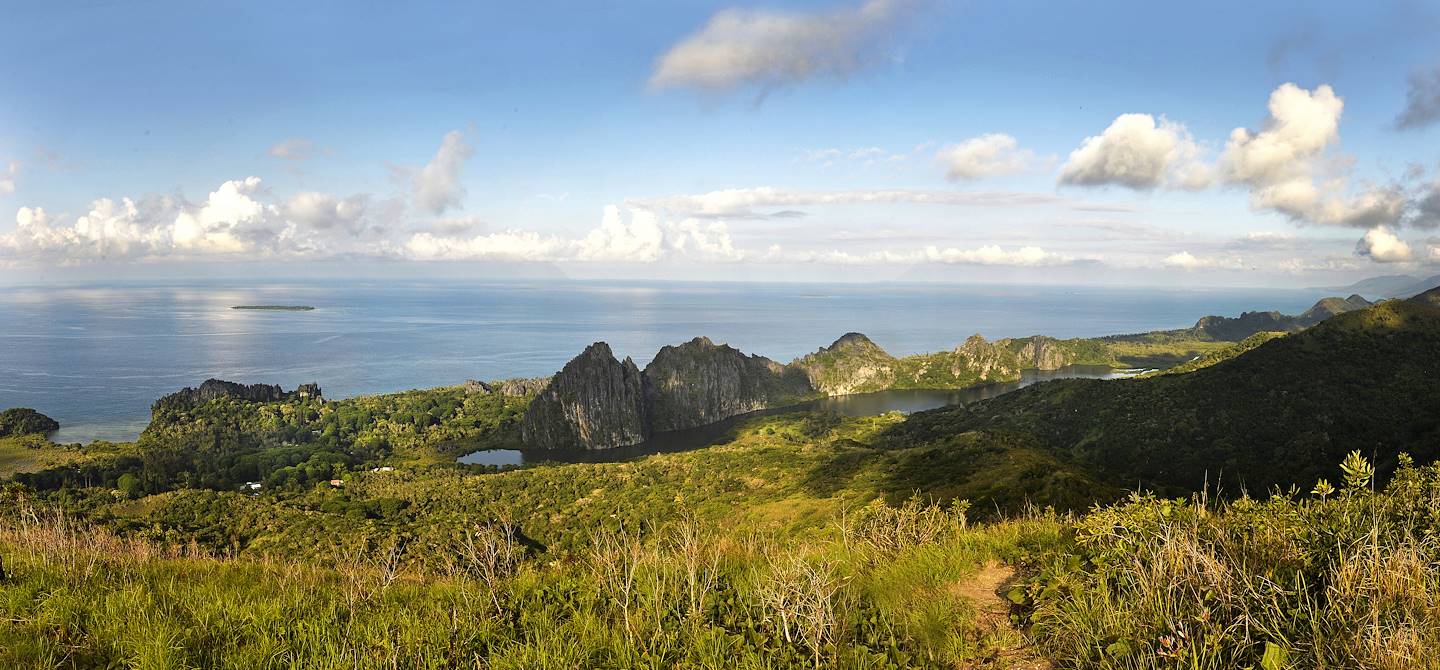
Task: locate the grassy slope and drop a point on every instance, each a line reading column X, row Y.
column 789, row 473
column 1150, row 583
column 1280, row 414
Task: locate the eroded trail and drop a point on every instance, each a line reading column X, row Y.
column 1010, row 648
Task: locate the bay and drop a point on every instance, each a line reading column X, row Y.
column 95, row 357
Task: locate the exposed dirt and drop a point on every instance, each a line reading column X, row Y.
column 1012, row 649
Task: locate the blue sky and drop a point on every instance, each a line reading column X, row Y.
column 871, row 139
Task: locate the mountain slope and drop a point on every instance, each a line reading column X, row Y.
column 1235, row 329
column 1282, row 413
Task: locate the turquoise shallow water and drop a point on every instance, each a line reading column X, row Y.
column 96, row 357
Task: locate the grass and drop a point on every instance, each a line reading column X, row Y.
column 680, row 595
column 1341, row 578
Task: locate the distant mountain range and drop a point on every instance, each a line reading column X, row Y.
column 1389, row 286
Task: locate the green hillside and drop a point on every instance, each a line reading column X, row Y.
column 1274, row 416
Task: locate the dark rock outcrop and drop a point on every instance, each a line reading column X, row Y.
column 595, row 402
column 213, row 389
column 700, row 382
column 25, row 421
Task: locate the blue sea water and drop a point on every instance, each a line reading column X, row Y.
column 95, row 357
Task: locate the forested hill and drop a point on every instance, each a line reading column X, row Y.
column 1278, row 415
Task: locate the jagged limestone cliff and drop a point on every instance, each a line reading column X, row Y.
column 700, row 382
column 595, row 402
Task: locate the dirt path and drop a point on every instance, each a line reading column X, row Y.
column 1011, row 649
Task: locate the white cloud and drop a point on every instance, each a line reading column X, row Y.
column 643, row 238
column 1280, row 164
column 769, row 49
column 1138, row 152
column 1381, row 245
column 237, row 219
column 987, row 255
column 7, row 178
column 989, row 155
column 293, row 149
column 1183, row 259
column 1187, row 261
column 743, row 202
column 323, row 211
column 437, row 186
column 993, row 255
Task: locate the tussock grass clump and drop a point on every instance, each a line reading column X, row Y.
column 1345, row 579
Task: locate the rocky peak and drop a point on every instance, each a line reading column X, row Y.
column 986, row 360
column 851, row 364
column 594, row 402
column 851, row 341
column 700, row 382
column 1043, row 353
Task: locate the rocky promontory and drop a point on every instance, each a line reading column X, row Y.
column 213, row 389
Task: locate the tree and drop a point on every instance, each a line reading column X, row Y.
column 129, row 485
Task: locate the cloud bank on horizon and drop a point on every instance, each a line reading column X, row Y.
column 1140, row 192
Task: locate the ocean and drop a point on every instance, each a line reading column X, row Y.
column 95, row 357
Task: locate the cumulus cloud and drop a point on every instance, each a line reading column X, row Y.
column 1137, row 151
column 770, row 49
column 7, row 178
column 1281, row 162
column 742, row 203
column 1422, row 101
column 1381, row 245
column 989, row 155
column 237, row 219
column 437, row 186
column 293, row 149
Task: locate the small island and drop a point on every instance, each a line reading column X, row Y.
column 277, row 308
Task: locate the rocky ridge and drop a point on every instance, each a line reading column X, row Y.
column 213, row 389
column 1235, row 329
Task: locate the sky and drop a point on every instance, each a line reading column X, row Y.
column 1127, row 143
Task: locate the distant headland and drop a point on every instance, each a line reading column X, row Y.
column 277, row 308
